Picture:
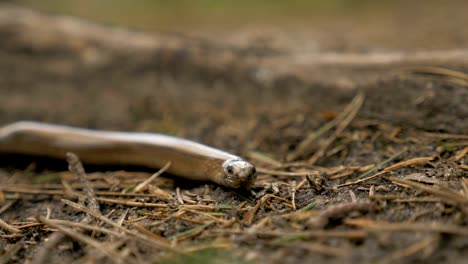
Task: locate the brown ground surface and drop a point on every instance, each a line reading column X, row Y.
column 261, row 102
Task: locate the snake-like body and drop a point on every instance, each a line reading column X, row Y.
column 188, row 159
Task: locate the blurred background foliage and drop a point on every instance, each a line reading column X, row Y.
column 215, row 14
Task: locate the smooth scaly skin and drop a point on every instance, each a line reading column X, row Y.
column 188, row 159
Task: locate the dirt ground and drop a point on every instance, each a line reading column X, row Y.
column 373, row 145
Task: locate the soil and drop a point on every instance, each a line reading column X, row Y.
column 260, row 103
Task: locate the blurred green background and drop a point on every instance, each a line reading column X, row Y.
column 180, row 14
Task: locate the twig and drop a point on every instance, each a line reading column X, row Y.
column 179, row 198
column 75, row 166
column 293, row 195
column 8, row 227
column 10, row 236
column 302, row 183
column 352, row 196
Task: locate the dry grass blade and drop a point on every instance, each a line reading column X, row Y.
column 424, row 199
column 305, row 146
column 85, row 226
column 255, row 155
column 287, row 173
column 142, row 185
column 445, row 136
column 100, row 199
column 438, row 74
column 192, row 232
column 420, row 246
column 283, row 236
column 354, row 108
column 43, row 255
column 7, row 205
column 209, row 216
column 464, row 184
column 148, row 233
column 30, row 225
column 8, row 253
column 14, row 189
column 320, row 248
column 452, row 196
column 131, row 203
column 249, row 216
column 439, row 71
column 377, row 175
column 340, row 210
column 410, row 162
column 216, row 245
column 151, row 242
column 100, row 247
column 21, row 189
column 363, row 177
column 382, row 164
column 198, row 207
column 459, row 155
column 381, row 226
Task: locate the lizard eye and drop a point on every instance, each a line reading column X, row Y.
column 229, row 169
